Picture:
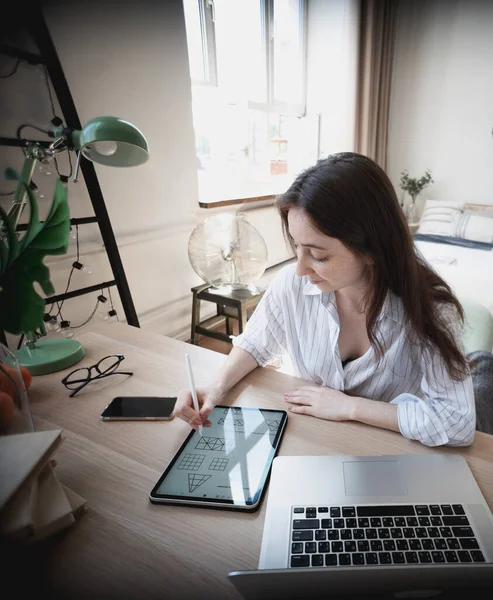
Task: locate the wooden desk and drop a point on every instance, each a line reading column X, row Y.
column 126, row 547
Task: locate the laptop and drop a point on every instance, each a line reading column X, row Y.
column 398, row 526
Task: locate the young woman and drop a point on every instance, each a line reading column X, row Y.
column 360, row 315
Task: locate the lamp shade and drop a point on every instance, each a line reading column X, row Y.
column 112, row 141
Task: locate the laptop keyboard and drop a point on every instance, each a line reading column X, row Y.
column 333, row 536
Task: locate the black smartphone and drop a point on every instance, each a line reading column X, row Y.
column 139, row 408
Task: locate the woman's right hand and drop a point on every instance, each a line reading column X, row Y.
column 208, row 398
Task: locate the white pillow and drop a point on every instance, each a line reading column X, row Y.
column 441, row 217
column 475, row 226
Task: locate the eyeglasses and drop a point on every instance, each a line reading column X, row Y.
column 78, row 379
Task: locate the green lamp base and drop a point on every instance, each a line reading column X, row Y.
column 50, row 356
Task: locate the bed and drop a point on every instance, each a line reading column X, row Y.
column 467, row 266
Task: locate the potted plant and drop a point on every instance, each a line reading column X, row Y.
column 21, row 306
column 414, row 186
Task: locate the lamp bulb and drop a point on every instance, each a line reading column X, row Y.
column 87, row 270
column 73, row 234
column 52, row 325
column 104, row 315
column 105, row 148
column 66, row 331
column 45, row 169
column 112, row 316
column 39, row 194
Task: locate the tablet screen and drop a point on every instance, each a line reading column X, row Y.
column 229, row 463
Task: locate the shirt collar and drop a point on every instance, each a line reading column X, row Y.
column 310, row 289
column 328, row 299
column 392, row 309
column 392, row 306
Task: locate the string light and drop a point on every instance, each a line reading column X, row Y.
column 46, row 169
column 112, row 316
column 113, row 311
column 36, row 190
column 13, row 71
column 103, row 314
column 66, row 330
column 51, row 323
column 86, row 269
column 60, row 305
column 89, row 318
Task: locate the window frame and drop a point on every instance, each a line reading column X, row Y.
column 206, row 11
column 207, row 18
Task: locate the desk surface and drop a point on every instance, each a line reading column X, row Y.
column 125, row 546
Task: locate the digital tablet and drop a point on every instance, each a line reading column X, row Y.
column 226, row 467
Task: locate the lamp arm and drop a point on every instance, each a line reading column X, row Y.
column 77, row 166
column 71, row 140
column 20, row 194
column 33, row 153
column 70, row 137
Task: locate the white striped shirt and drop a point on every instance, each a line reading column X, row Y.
column 294, row 317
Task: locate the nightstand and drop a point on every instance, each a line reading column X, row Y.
column 230, row 304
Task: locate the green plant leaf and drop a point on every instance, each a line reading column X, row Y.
column 10, row 249
column 414, row 185
column 4, row 249
column 21, row 307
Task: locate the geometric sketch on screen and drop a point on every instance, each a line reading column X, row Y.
column 273, row 425
column 191, row 462
column 236, row 422
column 234, row 409
column 196, row 480
column 214, row 443
column 218, row 464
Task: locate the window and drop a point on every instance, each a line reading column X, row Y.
column 247, row 66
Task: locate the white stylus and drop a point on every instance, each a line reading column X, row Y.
column 192, row 388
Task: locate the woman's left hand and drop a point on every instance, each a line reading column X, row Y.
column 320, row 402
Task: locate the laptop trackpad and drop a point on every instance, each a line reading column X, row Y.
column 373, row 478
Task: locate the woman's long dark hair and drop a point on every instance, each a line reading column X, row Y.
column 349, row 197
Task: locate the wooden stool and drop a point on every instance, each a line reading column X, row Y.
column 233, row 304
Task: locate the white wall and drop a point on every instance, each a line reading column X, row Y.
column 130, row 59
column 441, row 114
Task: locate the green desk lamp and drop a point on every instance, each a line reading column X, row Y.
column 105, row 140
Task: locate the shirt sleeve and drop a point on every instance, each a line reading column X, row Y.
column 446, row 414
column 264, row 334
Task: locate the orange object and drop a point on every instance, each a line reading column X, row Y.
column 26, row 376
column 10, row 381
column 6, row 408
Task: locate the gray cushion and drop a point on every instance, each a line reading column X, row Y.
column 481, row 365
column 478, row 326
